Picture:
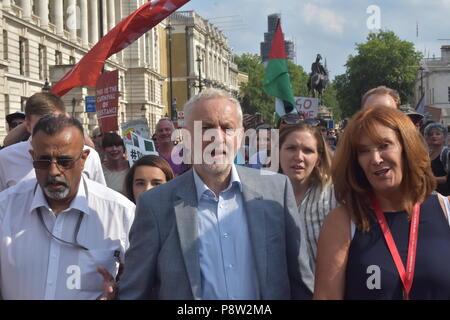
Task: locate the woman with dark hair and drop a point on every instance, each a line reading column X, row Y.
column 146, row 173
column 436, row 137
column 390, row 238
column 305, row 159
column 116, row 166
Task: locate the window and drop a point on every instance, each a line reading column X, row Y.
column 23, row 102
column 5, row 45
column 6, row 97
column 448, row 94
column 42, row 62
column 72, row 60
column 122, row 86
column 23, row 50
column 58, row 57
column 147, row 48
column 151, row 84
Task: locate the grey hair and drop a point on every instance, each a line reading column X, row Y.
column 435, row 125
column 166, row 119
column 211, row 93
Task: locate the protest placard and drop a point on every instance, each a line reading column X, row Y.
column 107, row 101
column 308, row 106
column 139, row 126
column 139, row 147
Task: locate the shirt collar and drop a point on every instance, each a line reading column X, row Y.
column 79, row 203
column 201, row 187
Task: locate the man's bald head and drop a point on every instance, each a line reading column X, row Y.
column 381, row 96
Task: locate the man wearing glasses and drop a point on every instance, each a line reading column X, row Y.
column 61, row 232
column 15, row 161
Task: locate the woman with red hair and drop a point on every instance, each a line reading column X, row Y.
column 390, row 238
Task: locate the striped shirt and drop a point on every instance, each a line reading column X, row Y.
column 316, row 204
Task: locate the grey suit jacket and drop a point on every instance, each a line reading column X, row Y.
column 162, row 261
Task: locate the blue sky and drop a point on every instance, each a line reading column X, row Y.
column 328, row 27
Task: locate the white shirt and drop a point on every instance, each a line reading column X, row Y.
column 33, row 265
column 16, row 164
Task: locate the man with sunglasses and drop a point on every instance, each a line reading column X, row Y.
column 16, row 162
column 61, row 232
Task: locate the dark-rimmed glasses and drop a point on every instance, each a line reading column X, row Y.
column 63, row 163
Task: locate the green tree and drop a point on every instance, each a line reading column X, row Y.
column 299, row 79
column 330, row 100
column 253, row 98
column 383, row 60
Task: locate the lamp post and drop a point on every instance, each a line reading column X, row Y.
column 74, row 103
column 173, row 111
column 421, row 80
column 199, row 61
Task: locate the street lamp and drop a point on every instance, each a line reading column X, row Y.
column 173, row 111
column 421, row 80
column 74, row 103
column 199, row 61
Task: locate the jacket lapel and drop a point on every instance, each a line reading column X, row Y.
column 256, row 221
column 185, row 207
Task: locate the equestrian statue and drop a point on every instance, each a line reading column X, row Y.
column 318, row 78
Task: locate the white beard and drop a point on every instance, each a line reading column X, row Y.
column 57, row 195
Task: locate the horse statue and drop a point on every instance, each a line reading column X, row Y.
column 318, row 78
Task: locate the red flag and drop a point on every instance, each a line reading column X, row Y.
column 278, row 49
column 87, row 71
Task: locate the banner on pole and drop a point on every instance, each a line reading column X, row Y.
column 108, row 101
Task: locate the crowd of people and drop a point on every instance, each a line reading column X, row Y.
column 311, row 212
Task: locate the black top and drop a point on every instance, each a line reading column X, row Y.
column 369, row 251
column 438, row 171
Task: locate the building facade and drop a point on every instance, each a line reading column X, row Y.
column 433, row 80
column 43, row 39
column 201, row 58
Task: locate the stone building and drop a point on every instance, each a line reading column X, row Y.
column 203, row 58
column 43, row 39
column 433, row 80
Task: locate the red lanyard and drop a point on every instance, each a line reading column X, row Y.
column 408, row 275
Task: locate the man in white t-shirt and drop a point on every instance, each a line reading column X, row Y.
column 61, row 233
column 16, row 161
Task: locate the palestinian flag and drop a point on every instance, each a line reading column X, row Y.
column 276, row 78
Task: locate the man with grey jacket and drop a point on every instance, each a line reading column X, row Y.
column 218, row 231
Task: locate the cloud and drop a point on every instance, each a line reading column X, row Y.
column 328, row 20
column 329, row 27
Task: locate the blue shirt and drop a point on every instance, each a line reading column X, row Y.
column 227, row 265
